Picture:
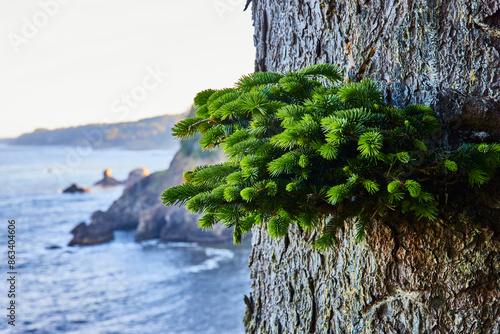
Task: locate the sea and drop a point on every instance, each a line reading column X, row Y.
column 113, row 288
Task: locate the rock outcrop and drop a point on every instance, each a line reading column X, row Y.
column 92, row 234
column 177, row 224
column 134, row 176
column 74, row 188
column 139, row 208
column 108, row 180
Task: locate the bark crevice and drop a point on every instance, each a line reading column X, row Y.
column 312, row 328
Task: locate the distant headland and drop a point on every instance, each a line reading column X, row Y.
column 149, row 133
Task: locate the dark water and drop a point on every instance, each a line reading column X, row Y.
column 118, row 287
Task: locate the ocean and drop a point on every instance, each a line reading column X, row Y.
column 118, row 287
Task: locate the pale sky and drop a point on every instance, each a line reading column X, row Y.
column 72, row 62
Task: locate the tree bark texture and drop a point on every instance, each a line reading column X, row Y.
column 441, row 53
column 405, row 277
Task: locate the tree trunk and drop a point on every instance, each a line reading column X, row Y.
column 406, row 277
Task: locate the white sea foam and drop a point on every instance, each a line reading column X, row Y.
column 215, row 257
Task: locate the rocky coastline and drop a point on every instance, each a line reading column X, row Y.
column 140, row 209
column 134, row 176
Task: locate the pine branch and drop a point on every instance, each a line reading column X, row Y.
column 208, row 120
column 247, row 4
column 303, row 147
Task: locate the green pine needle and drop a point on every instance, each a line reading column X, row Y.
column 393, row 187
column 202, row 97
column 278, row 227
column 328, row 71
column 477, row 177
column 371, row 186
column 257, row 79
column 337, row 194
column 451, row 165
column 370, row 143
column 231, row 194
column 207, row 222
column 413, row 188
column 248, row 194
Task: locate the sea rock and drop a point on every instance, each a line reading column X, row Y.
column 92, row 234
column 74, row 188
column 108, row 180
column 136, row 175
column 177, row 224
column 133, row 177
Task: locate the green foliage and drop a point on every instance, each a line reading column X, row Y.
column 278, row 226
column 248, row 194
column 305, row 148
column 451, row 165
column 413, row 188
column 370, row 144
column 371, row 186
column 393, row 187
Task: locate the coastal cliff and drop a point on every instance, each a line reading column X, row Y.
column 139, row 207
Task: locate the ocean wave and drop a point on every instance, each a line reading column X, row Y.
column 215, row 257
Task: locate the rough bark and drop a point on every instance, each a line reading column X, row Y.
column 441, row 53
column 405, row 277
